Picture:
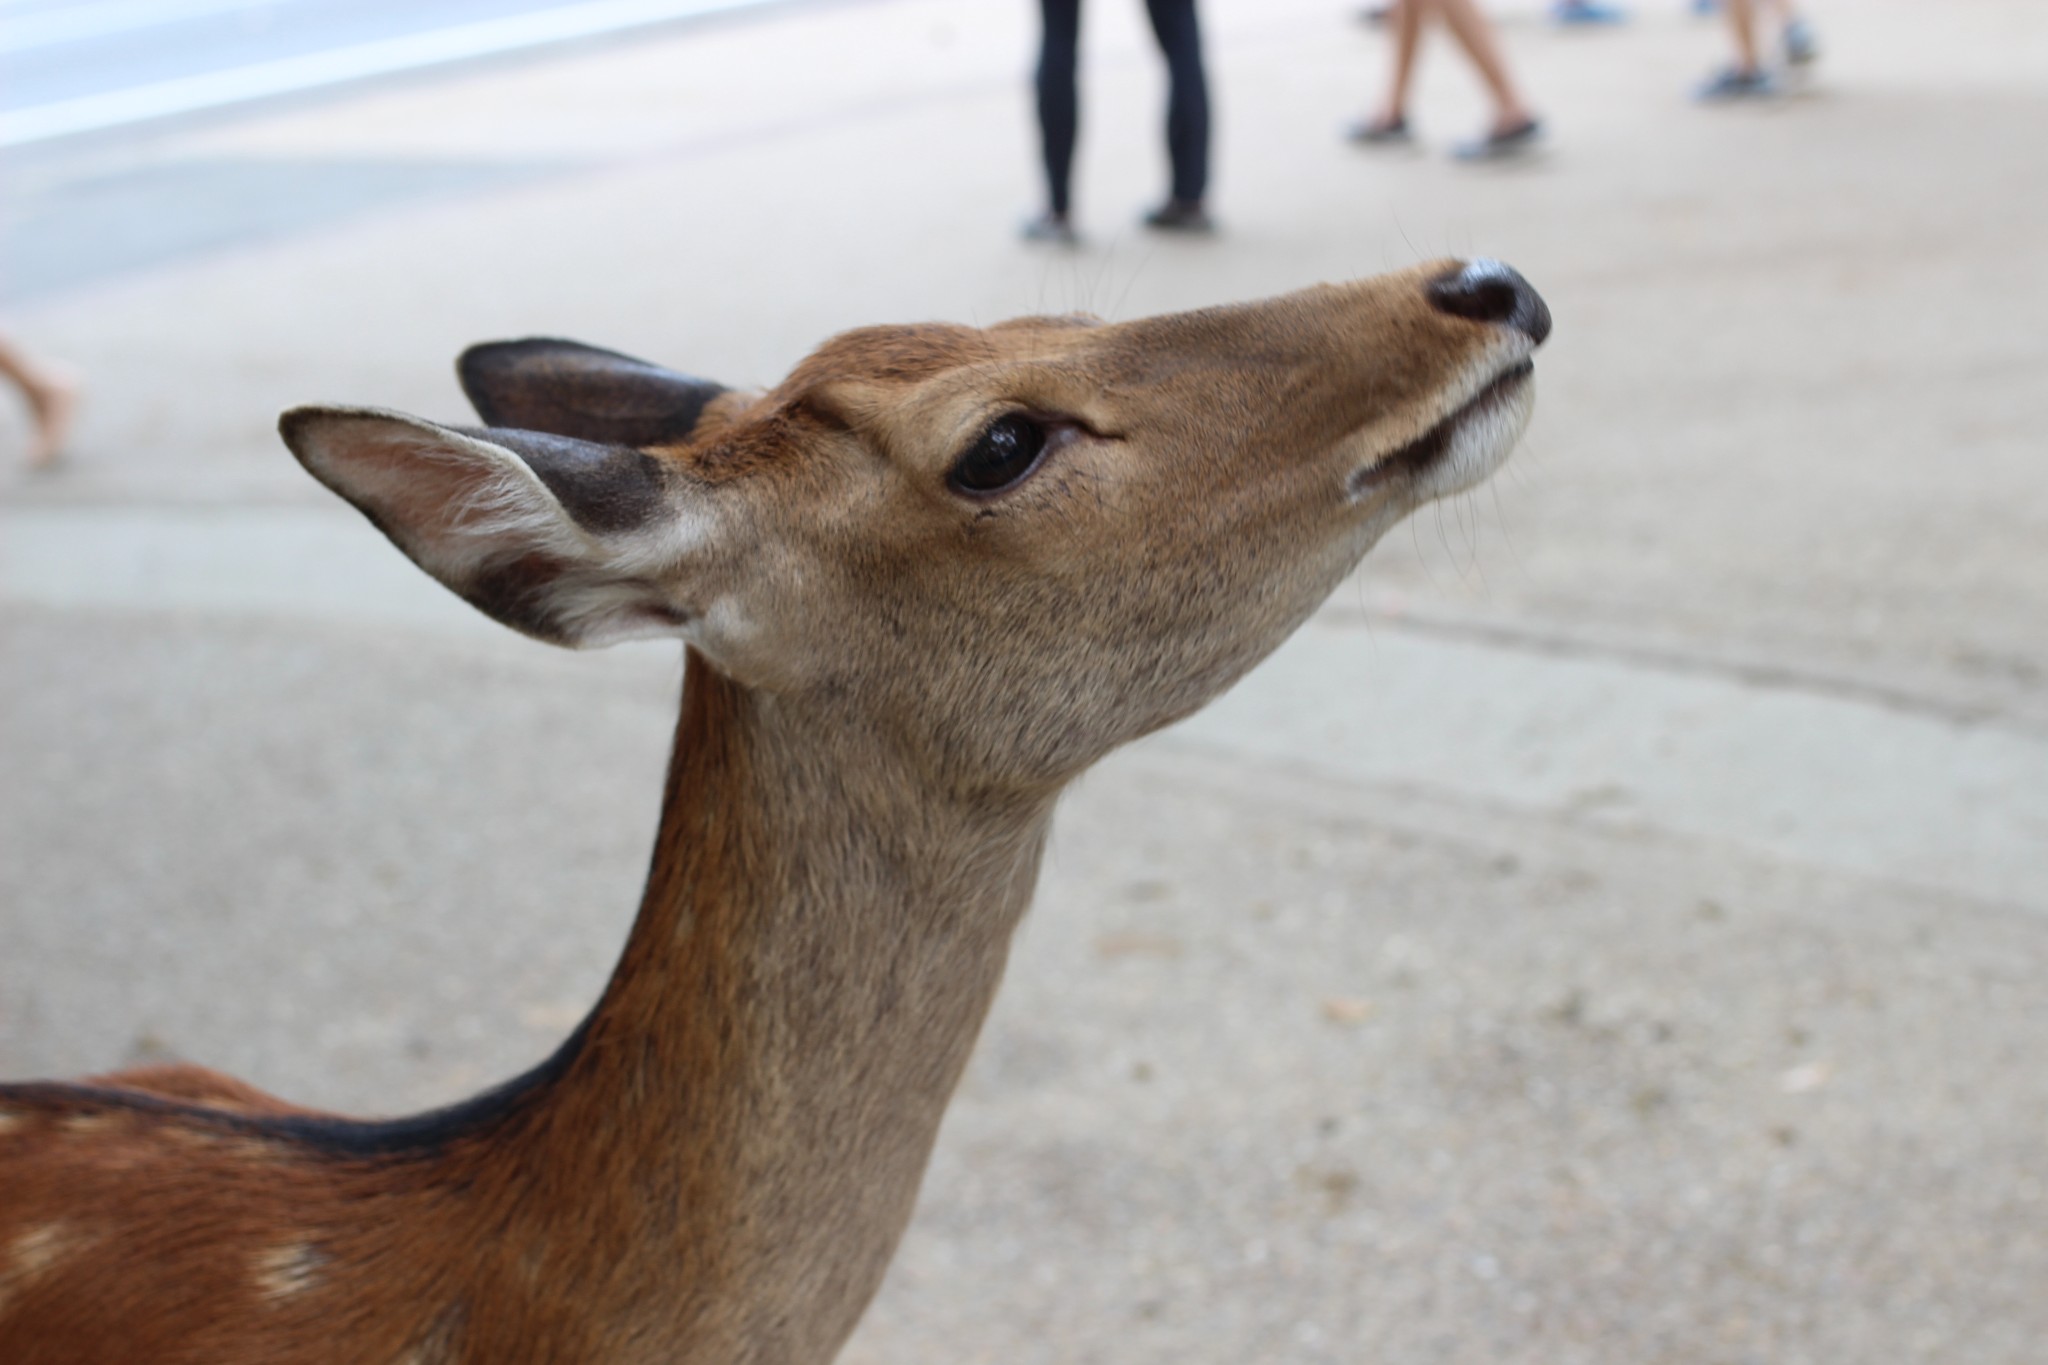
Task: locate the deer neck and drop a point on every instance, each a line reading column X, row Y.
column 822, row 935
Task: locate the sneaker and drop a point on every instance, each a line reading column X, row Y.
column 1501, row 144
column 1050, row 227
column 1181, row 215
column 1375, row 132
column 1737, row 84
column 1587, row 12
column 1800, row 47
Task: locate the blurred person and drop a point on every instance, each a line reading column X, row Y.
column 1748, row 78
column 1187, row 117
column 1514, row 129
column 52, row 395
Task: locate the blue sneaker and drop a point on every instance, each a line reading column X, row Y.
column 1736, row 84
column 1800, row 47
column 1587, row 12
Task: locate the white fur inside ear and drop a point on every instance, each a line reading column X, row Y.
column 662, row 544
column 457, row 500
column 590, row 614
column 476, row 516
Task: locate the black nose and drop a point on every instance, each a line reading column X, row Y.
column 1487, row 291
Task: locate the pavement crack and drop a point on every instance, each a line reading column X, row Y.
column 1776, row 675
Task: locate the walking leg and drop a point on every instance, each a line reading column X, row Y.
column 52, row 395
column 1407, row 17
column 1475, row 34
column 1742, row 26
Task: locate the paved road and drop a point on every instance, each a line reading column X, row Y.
column 1611, row 932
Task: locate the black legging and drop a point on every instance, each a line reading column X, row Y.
column 1187, row 100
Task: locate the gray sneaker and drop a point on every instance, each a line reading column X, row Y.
column 1374, row 132
column 1501, row 145
column 1181, row 215
column 1050, row 227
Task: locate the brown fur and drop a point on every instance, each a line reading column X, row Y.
column 888, row 685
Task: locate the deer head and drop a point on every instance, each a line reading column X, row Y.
column 935, row 568
column 1006, row 549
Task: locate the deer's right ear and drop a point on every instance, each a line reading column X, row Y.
column 569, row 389
column 570, row 541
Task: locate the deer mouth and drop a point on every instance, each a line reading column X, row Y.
column 1464, row 447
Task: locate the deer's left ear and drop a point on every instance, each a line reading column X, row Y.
column 569, row 389
column 572, row 542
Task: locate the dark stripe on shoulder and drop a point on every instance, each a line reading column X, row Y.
column 431, row 1132
column 416, row 1135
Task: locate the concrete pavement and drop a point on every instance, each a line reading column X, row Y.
column 1612, row 931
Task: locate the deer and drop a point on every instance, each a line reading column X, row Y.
column 922, row 584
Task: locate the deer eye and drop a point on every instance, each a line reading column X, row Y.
column 1001, row 456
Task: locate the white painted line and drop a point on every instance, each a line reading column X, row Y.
column 91, row 113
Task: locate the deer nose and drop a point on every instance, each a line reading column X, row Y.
column 1485, row 290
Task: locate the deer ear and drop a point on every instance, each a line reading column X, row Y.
column 565, row 540
column 569, row 389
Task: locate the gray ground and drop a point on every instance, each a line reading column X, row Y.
column 1612, row 931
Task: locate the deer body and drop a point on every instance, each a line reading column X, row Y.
column 893, row 670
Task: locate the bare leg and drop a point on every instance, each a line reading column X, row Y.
column 1407, row 17
column 1475, row 34
column 52, row 396
column 1742, row 24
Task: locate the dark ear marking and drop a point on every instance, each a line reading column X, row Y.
column 565, row 388
column 517, row 593
column 537, row 531
column 602, row 487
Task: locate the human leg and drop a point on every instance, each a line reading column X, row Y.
column 52, row 396
column 1187, row 102
column 1746, row 79
column 1389, row 123
column 1058, row 103
column 1742, row 28
column 1474, row 32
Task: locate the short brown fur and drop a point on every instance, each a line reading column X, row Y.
column 888, row 683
